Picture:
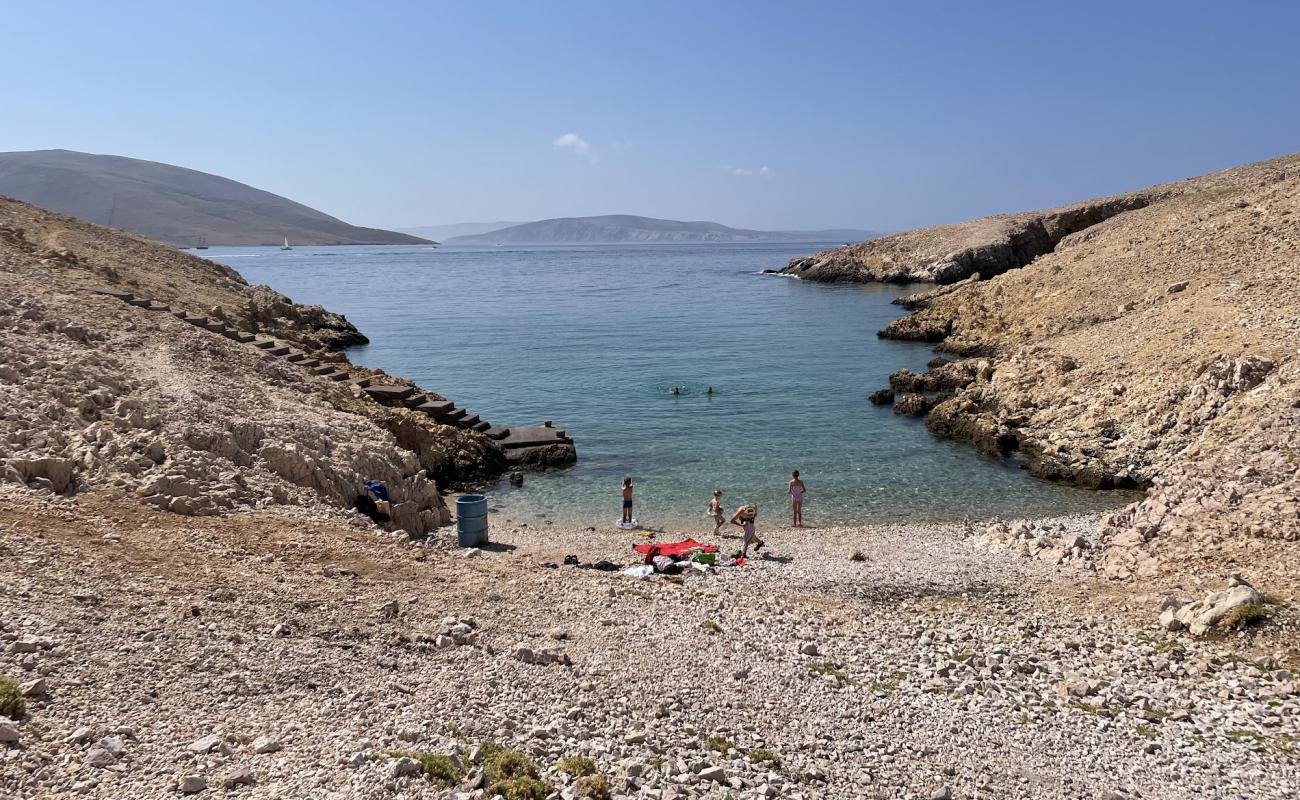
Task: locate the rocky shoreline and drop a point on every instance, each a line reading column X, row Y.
column 139, row 371
column 1150, row 342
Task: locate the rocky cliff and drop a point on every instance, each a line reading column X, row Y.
column 103, row 396
column 1147, row 341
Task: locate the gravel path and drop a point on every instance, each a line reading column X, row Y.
column 290, row 654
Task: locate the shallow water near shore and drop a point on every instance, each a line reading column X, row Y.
column 595, row 337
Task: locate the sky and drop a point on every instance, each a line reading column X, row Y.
column 755, row 114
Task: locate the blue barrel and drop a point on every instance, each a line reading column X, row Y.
column 471, row 520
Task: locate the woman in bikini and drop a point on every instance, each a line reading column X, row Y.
column 797, row 490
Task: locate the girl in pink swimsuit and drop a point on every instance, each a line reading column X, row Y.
column 797, row 490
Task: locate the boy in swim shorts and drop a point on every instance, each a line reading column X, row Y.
column 627, row 499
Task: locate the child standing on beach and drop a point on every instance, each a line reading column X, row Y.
column 744, row 517
column 797, row 490
column 627, row 500
column 715, row 510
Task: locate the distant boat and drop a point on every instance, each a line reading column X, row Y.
column 286, row 246
column 203, row 243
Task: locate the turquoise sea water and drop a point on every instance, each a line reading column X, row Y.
column 595, row 337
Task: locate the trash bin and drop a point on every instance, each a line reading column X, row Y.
column 471, row 520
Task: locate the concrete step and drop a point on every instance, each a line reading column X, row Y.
column 216, row 327
column 497, row 433
column 279, row 350
column 296, row 357
column 389, row 394
column 323, row 369
column 264, row 344
column 436, row 408
column 156, row 306
column 482, row 426
column 123, row 296
column 534, row 437
column 140, row 302
column 362, row 383
column 309, row 363
column 245, row 337
column 200, row 321
column 468, row 421
column 338, row 375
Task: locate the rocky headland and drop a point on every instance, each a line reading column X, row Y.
column 133, row 369
column 1147, row 340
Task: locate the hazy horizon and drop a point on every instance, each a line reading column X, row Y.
column 758, row 116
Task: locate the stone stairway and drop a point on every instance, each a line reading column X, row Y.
column 443, row 412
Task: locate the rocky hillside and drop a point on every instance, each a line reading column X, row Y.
column 1154, row 347
column 172, row 204
column 103, row 396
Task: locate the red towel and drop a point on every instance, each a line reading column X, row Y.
column 674, row 548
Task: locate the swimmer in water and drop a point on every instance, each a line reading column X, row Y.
column 709, row 391
column 676, row 390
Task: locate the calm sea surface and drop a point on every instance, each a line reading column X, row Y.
column 595, row 337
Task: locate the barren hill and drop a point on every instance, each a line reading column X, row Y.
column 616, row 228
column 172, row 204
column 1147, row 339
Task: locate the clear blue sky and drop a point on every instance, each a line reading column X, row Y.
column 877, row 115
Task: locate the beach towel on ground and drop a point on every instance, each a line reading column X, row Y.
column 675, row 549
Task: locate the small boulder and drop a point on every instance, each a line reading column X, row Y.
column 100, row 758
column 402, row 767
column 265, row 744
column 192, row 784
column 236, row 776
column 205, row 745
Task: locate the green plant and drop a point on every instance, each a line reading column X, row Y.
column 765, row 757
column 12, row 703
column 711, row 626
column 1146, row 730
column 506, row 765
column 1245, row 616
column 435, row 766
column 511, row 774
column 592, row 786
column 827, row 668
column 577, row 766
column 486, row 752
column 719, row 743
column 522, row 789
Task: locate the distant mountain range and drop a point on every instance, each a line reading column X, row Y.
column 172, row 204
column 616, row 228
column 441, row 232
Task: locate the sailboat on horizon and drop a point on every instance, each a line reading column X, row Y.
column 286, row 246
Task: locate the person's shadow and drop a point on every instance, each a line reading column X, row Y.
column 777, row 559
